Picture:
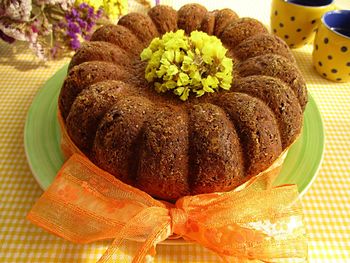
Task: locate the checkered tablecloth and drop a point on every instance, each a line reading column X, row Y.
column 326, row 204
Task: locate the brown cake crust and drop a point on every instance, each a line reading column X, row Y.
column 141, row 25
column 216, row 159
column 261, row 44
column 88, row 110
column 101, row 51
column 120, row 36
column 257, row 129
column 280, row 99
column 190, row 17
column 164, row 18
column 276, row 66
column 163, row 165
column 223, row 18
column 241, row 29
column 117, row 154
column 208, row 22
column 85, row 74
column 170, row 148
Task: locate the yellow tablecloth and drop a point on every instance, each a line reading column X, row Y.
column 326, row 204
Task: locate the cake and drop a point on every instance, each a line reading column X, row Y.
column 171, row 148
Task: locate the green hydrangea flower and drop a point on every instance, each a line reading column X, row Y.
column 187, row 64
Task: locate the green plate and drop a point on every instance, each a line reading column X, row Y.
column 42, row 140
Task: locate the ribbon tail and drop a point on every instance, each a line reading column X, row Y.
column 158, row 233
column 247, row 225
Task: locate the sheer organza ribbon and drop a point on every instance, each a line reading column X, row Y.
column 251, row 223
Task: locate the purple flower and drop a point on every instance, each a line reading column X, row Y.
column 81, row 22
column 74, row 13
column 90, row 25
column 77, row 23
column 90, row 12
column 67, row 26
column 99, row 13
column 83, row 5
column 75, row 43
column 74, row 27
column 71, row 34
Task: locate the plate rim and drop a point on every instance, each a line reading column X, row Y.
column 26, row 143
column 323, row 135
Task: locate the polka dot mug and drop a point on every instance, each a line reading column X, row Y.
column 295, row 21
column 331, row 52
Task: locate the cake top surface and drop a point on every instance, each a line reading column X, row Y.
column 237, row 39
column 183, row 102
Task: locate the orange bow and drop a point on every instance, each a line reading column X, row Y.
column 85, row 204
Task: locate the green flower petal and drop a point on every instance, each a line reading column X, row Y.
column 185, row 94
column 146, row 54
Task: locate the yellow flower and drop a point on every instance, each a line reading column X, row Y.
column 96, row 4
column 112, row 8
column 188, row 64
column 115, row 8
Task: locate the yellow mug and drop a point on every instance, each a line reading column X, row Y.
column 295, row 21
column 331, row 52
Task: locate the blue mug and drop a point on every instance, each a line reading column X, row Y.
column 331, row 53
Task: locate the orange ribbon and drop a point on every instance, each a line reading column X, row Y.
column 85, row 204
column 251, row 223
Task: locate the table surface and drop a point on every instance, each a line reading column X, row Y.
column 326, row 204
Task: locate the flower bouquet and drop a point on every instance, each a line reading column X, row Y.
column 54, row 28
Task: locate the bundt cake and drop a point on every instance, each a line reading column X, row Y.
column 171, row 148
